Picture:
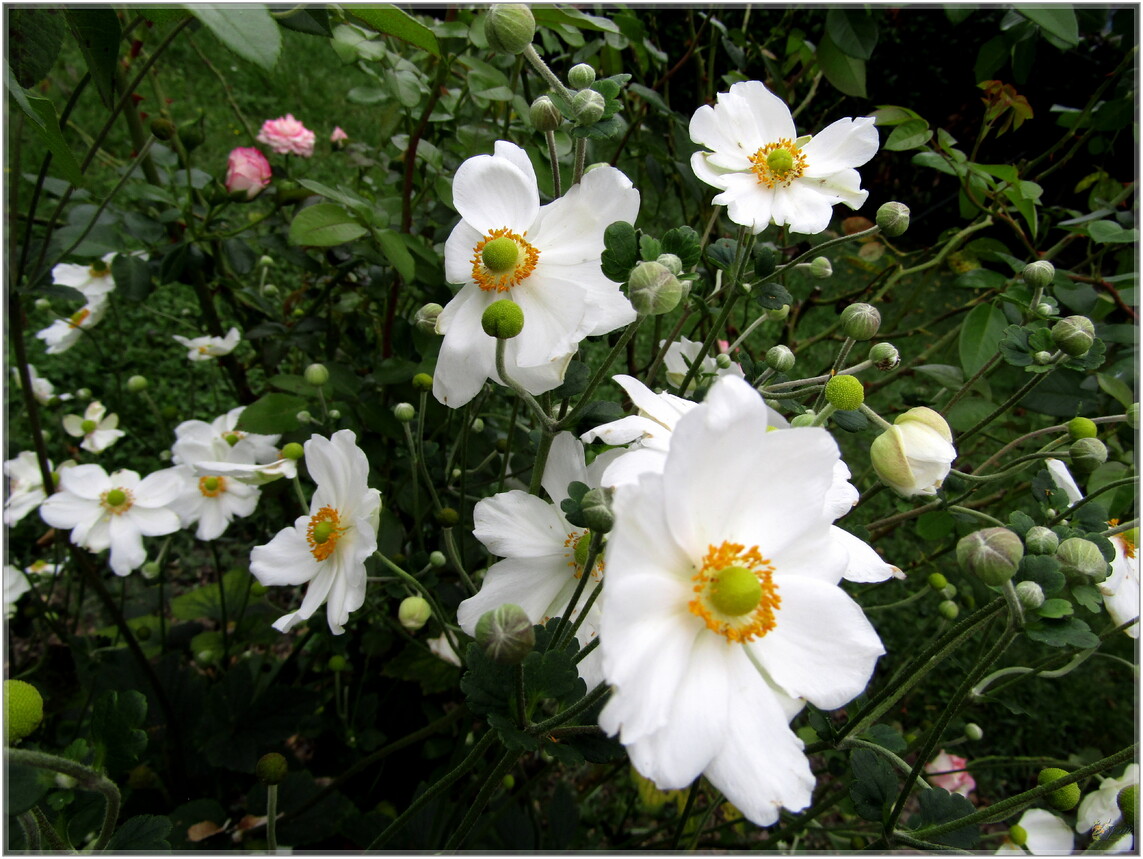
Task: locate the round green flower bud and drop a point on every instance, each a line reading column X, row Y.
column 544, row 115
column 270, row 289
column 1133, row 416
column 509, row 781
column 990, row 554
column 821, row 267
column 447, row 517
column 404, row 412
column 150, row 570
column 271, row 769
column 437, row 559
column 1064, row 799
column 596, row 506
column 136, row 384
column 893, row 219
column 23, row 710
column 83, row 394
column 1087, row 454
column 316, row 375
column 293, row 450
column 581, row 76
column 413, row 613
column 1041, row 358
column 845, row 392
column 722, row 361
column 671, row 263
column 765, row 261
column 257, row 589
column 1080, row 557
column 1041, row 541
column 425, row 320
column 860, row 321
column 948, row 591
column 304, row 417
column 43, row 304
column 1030, row 594
column 505, row 634
column 806, row 419
column 948, row 610
column 162, row 128
column 652, row 289
column 780, row 359
column 885, row 356
column 1082, row 428
column 1045, row 310
column 937, row 581
column 423, row 382
column 588, row 105
column 338, row 663
column 1073, row 335
column 1039, row 274
column 502, row 319
column 1128, row 802
column 973, row 731
column 1018, row 835
column 509, row 27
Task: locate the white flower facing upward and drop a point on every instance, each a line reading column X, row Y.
column 327, row 548
column 543, row 554
column 92, row 281
column 1100, row 808
column 208, row 348
column 721, row 616
column 544, row 258
column 1045, row 833
column 113, row 511
column 682, row 354
column 766, row 173
column 62, row 334
column 98, row 429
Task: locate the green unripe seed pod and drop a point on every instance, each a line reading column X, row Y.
column 860, row 321
column 1128, row 802
column 1064, row 799
column 1018, row 835
column 316, row 375
column 1087, row 454
column 502, row 319
column 23, row 710
column 1041, row 541
column 991, row 554
column 544, row 115
column 509, row 27
column 1080, row 557
column 948, row 610
column 271, row 769
column 653, row 290
column 447, row 517
column 293, row 450
column 780, row 359
column 404, row 412
column 413, row 613
column 1030, row 595
column 1082, row 428
column 588, row 106
column 845, row 392
column 973, row 731
column 505, row 634
column 893, row 219
column 1073, row 335
column 338, row 663
column 581, row 76
column 1039, row 274
column 136, row 384
column 937, row 581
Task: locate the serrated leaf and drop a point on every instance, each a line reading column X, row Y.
column 874, row 785
column 980, row 337
column 1070, row 632
column 423, row 667
column 1089, row 360
column 1020, row 522
column 772, row 295
column 1044, row 570
column 605, row 129
column 96, row 31
column 621, row 251
column 325, row 225
column 512, row 737
column 1055, row 608
column 939, row 806
column 395, row 22
column 846, row 73
column 272, row 414
column 248, row 31
column 1014, row 346
column 1088, row 596
column 683, row 242
column 909, row 135
column 721, row 253
column 649, row 248
column 144, row 833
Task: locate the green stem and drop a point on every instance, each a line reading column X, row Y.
column 585, row 576
column 491, row 782
column 1107, row 487
column 272, row 817
column 585, row 703
column 416, row 584
column 31, row 829
column 902, row 765
column 968, row 511
column 1075, row 662
column 85, row 777
column 929, row 846
column 557, row 191
column 545, row 421
column 692, row 795
column 580, row 159
column 1003, row 407
column 568, row 420
column 546, row 73
column 53, row 837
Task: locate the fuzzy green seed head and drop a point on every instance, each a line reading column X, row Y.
column 502, row 319
column 1064, row 799
column 271, row 769
column 500, row 255
column 780, row 161
column 88, row 426
column 23, row 710
column 1082, row 428
column 116, row 498
column 845, row 392
column 735, row 591
column 423, row 382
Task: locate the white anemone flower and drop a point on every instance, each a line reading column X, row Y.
column 208, row 348
column 1101, row 809
column 62, row 334
column 1045, row 835
column 327, row 548
column 42, row 389
column 681, row 355
column 114, row 511
column 766, row 172
column 25, row 487
column 98, row 429
column 544, row 258
column 1120, row 590
column 198, row 441
column 649, row 436
column 722, row 616
column 92, row 281
column 16, row 584
column 252, row 474
column 543, row 554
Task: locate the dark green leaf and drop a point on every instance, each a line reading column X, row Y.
column 980, row 278
column 1020, row 522
column 146, row 833
column 1104, row 232
column 874, row 785
column 772, row 295
column 1089, row 597
column 96, row 30
column 649, row 247
column 1092, row 359
column 489, row 687
column 132, row 277
column 909, row 135
column 25, row 787
column 935, row 525
column 325, row 225
column 940, row 806
column 34, row 40
column 683, row 242
column 552, row 674
column 1060, row 21
column 605, row 129
column 887, row 737
column 980, row 337
column 271, row 414
column 721, row 253
column 1044, row 570
column 853, row 30
column 418, row 665
column 945, row 375
column 116, row 720
column 850, row 420
column 990, row 58
column 846, row 73
column 1070, row 632
column 45, row 124
column 576, row 377
column 249, row 31
column 1055, row 608
column 204, row 601
column 314, row 22
column 1014, row 346
column 621, row 251
column 393, row 246
column 510, row 735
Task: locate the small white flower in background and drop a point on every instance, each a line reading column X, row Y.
column 208, row 348
column 211, row 500
column 93, row 280
column 682, row 354
column 1062, row 477
column 329, row 547
column 542, row 552
column 42, row 389
column 114, row 511
column 1046, row 834
column 25, row 486
column 722, row 616
column 197, row 441
column 914, row 456
column 98, row 429
column 16, row 584
column 442, row 648
column 766, row 173
column 42, row 568
column 62, row 334
column 1100, row 808
column 1120, row 590
column 544, row 258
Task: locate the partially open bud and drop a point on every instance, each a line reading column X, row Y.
column 509, row 27
column 780, row 359
column 845, row 392
column 1082, row 428
column 23, row 710
column 413, row 613
column 1041, row 541
column 990, row 554
column 271, row 769
column 1087, row 454
column 404, row 412
column 652, row 289
column 544, row 114
column 502, row 319
column 588, row 106
column 913, row 457
column 581, row 76
column 860, row 321
column 1064, row 799
column 893, row 219
column 821, row 267
column 505, row 634
column 1039, row 274
column 136, row 384
column 1080, row 557
column 426, row 318
column 1030, row 595
column 596, row 506
column 1073, row 335
column 885, row 356
column 316, row 375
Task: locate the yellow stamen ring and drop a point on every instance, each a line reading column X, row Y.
column 735, row 593
column 79, row 317
column 576, row 543
column 212, row 486
column 1128, row 543
column 323, row 532
column 506, row 270
column 778, row 163
column 117, row 501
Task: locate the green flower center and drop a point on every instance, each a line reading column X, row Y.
column 232, row 438
column 116, row 497
column 735, row 591
column 580, row 551
column 500, row 255
column 88, row 426
column 323, row 531
column 210, row 484
column 780, row 161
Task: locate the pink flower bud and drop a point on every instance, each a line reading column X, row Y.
column 954, row 782
column 247, row 172
column 287, row 136
column 338, row 135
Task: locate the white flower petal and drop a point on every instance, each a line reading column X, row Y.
column 286, row 559
column 564, row 466
column 841, row 145
column 865, row 565
column 492, row 193
column 515, row 524
column 467, row 355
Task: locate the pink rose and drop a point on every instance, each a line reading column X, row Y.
column 954, row 782
column 247, row 172
column 286, row 136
